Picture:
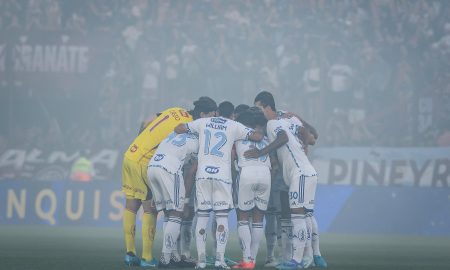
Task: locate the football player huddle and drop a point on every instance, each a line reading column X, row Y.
column 201, row 164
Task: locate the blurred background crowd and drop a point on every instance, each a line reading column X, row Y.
column 365, row 73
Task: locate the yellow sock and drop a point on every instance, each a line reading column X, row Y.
column 148, row 235
column 129, row 229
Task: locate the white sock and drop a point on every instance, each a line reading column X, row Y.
column 315, row 236
column 221, row 236
column 257, row 233
column 171, row 233
column 299, row 236
column 185, row 238
column 213, row 233
column 271, row 236
column 245, row 240
column 286, row 239
column 308, row 245
column 200, row 235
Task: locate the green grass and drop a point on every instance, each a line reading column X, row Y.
column 42, row 248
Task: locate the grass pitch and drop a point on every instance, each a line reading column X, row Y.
column 45, row 248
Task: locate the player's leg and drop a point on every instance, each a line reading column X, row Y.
column 222, row 234
column 262, row 195
column 245, row 203
column 148, row 231
column 319, row 261
column 245, row 237
column 298, row 212
column 186, row 237
column 310, row 185
column 257, row 231
column 187, row 230
column 270, row 232
column 129, row 229
column 170, row 236
column 286, row 226
column 308, row 252
column 203, row 196
column 130, row 171
column 222, row 203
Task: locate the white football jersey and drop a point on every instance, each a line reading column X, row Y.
column 216, row 138
column 173, row 150
column 244, row 145
column 294, row 123
column 291, row 155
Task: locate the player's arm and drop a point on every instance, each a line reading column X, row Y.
column 281, row 139
column 255, row 136
column 308, row 126
column 181, row 128
column 191, row 127
column 189, row 177
column 233, row 160
column 274, row 165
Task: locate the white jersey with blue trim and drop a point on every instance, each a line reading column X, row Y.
column 244, row 145
column 173, row 150
column 216, row 138
column 291, row 156
column 294, row 123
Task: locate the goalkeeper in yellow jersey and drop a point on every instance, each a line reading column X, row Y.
column 135, row 186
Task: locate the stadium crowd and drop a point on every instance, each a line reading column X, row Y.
column 368, row 73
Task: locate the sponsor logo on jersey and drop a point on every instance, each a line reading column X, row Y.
column 221, row 203
column 218, row 120
column 248, row 202
column 158, row 157
column 212, row 169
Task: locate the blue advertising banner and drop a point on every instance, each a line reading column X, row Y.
column 339, row 208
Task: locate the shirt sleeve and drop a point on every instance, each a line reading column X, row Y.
column 275, row 126
column 242, row 132
column 194, row 126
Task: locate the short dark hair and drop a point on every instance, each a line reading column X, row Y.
column 246, row 118
column 266, row 99
column 258, row 116
column 203, row 105
column 226, row 109
column 239, row 109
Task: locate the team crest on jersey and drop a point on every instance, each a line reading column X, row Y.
column 212, row 169
column 218, row 120
column 158, row 157
column 133, row 148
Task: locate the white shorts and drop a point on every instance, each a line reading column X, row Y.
column 254, row 188
column 302, row 191
column 168, row 189
column 213, row 195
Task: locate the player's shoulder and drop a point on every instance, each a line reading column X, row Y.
column 177, row 113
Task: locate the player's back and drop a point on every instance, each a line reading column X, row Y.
column 143, row 147
column 216, row 138
column 291, row 155
column 243, row 145
column 173, row 150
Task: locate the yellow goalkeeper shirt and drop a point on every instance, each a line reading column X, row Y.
column 144, row 146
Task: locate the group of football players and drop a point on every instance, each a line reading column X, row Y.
column 199, row 165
